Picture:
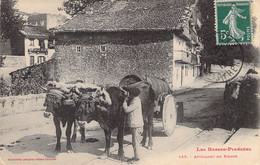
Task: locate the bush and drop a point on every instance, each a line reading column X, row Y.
column 4, row 87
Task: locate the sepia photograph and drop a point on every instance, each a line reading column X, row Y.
column 149, row 82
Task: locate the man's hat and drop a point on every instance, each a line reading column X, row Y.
column 132, row 91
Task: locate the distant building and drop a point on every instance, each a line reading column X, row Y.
column 32, row 21
column 39, row 44
column 46, row 20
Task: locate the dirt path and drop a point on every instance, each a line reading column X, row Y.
column 29, row 138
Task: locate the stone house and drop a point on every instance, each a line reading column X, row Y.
column 38, row 44
column 149, row 37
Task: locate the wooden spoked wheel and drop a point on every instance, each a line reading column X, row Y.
column 169, row 115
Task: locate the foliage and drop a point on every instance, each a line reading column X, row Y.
column 11, row 22
column 73, row 7
column 220, row 54
column 4, row 87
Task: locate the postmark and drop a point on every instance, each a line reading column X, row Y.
column 233, row 22
column 226, row 71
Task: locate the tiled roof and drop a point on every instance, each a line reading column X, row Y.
column 31, row 31
column 131, row 15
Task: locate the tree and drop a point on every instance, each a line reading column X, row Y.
column 213, row 54
column 73, row 7
column 11, row 22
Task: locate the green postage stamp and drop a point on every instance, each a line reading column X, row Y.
column 233, row 22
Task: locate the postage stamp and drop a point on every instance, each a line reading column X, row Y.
column 233, row 22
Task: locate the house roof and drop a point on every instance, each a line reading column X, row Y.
column 131, row 15
column 31, row 31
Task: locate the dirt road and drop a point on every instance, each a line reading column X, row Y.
column 29, row 138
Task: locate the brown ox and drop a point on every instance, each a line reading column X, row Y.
column 109, row 117
column 63, row 111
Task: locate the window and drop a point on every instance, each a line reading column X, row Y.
column 41, row 44
column 186, row 71
column 31, row 42
column 41, row 59
column 42, row 23
column 103, row 48
column 78, row 49
column 51, row 44
column 31, row 60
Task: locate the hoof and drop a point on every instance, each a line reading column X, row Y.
column 57, row 151
column 143, row 145
column 150, row 148
column 82, row 141
column 121, row 158
column 70, row 151
column 103, row 156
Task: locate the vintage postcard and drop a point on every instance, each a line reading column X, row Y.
column 130, row 82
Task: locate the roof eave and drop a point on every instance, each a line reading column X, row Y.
column 116, row 30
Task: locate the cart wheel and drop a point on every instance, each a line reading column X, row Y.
column 169, row 115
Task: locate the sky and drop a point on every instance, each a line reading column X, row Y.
column 40, row 6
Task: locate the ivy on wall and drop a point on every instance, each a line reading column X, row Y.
column 32, row 79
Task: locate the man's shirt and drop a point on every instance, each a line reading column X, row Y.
column 134, row 110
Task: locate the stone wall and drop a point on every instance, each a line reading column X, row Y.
column 20, row 104
column 145, row 53
column 14, row 61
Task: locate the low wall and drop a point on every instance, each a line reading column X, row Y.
column 20, row 104
column 14, row 61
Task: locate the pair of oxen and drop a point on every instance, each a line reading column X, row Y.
column 77, row 103
column 242, row 97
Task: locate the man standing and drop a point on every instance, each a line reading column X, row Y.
column 133, row 107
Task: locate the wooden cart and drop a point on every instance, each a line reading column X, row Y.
column 163, row 99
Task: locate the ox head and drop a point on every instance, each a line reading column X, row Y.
column 117, row 95
column 92, row 106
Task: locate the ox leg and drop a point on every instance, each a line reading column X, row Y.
column 82, row 132
column 107, row 149
column 120, row 138
column 58, row 133
column 145, row 131
column 150, row 131
column 68, row 134
column 74, row 136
